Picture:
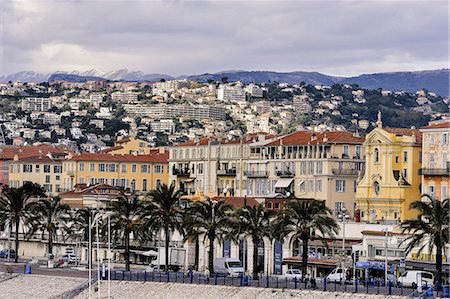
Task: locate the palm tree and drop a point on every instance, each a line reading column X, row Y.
column 430, row 229
column 254, row 222
column 13, row 206
column 211, row 219
column 48, row 216
column 163, row 213
column 125, row 214
column 303, row 219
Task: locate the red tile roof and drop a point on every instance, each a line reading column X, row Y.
column 8, row 152
column 152, row 158
column 249, row 138
column 237, row 202
column 123, row 140
column 41, row 159
column 441, row 125
column 110, row 149
column 406, row 132
column 309, row 137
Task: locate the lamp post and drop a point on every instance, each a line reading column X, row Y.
column 386, row 231
column 343, row 216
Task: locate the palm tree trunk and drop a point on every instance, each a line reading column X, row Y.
column 439, row 264
column 255, row 257
column 50, row 243
column 304, row 255
column 16, row 258
column 167, row 241
column 211, row 255
column 127, row 249
column 197, row 249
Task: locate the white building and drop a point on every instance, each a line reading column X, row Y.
column 36, row 104
column 228, row 93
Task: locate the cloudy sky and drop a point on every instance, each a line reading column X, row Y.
column 192, row 37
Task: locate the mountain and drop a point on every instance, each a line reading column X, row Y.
column 434, row 80
column 72, row 78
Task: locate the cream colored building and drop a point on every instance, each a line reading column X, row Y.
column 308, row 165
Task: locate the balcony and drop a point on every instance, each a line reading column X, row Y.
column 337, row 171
column 285, row 174
column 181, row 171
column 225, row 191
column 435, row 171
column 256, row 173
column 70, row 173
column 226, row 172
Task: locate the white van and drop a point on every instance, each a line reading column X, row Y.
column 411, row 277
column 228, row 267
column 337, row 275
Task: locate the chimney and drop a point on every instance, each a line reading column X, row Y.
column 313, row 137
column 161, row 150
column 325, row 137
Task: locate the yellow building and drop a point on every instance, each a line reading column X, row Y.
column 139, row 173
column 129, row 146
column 391, row 180
column 45, row 170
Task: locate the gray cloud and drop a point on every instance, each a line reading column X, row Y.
column 185, row 37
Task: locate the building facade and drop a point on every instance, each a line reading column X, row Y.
column 391, row 181
column 435, row 169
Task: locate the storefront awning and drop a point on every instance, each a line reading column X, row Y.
column 283, row 183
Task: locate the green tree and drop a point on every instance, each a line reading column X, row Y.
column 430, row 229
column 14, row 204
column 163, row 213
column 125, row 214
column 211, row 219
column 303, row 219
column 50, row 216
column 254, row 222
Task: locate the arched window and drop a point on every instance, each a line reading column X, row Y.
column 377, row 155
column 376, row 188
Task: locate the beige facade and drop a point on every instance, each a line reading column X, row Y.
column 435, row 169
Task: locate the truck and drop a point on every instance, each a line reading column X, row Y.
column 228, row 267
column 177, row 258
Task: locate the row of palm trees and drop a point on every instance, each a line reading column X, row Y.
column 164, row 210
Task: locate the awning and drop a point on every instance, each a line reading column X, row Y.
column 283, row 183
column 150, row 253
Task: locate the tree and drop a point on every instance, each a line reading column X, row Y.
column 430, row 229
column 50, row 216
column 254, row 222
column 163, row 213
column 125, row 214
column 211, row 219
column 303, row 219
column 14, row 204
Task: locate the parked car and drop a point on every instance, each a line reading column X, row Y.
column 70, row 258
column 339, row 275
column 411, row 277
column 4, row 253
column 293, row 273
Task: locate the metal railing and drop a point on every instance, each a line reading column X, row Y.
column 181, row 172
column 285, row 174
column 337, row 171
column 375, row 287
column 435, row 171
column 256, row 173
column 230, row 172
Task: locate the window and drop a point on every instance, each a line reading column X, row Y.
column 319, row 186
column 340, row 185
column 124, row 167
column 159, row 168
column 405, row 173
column 57, row 169
column 92, row 167
column 346, row 150
column 144, row 185
column 444, row 160
column 311, row 168
column 58, row 177
column 101, row 167
column 81, row 180
column 200, row 168
column 444, row 139
column 376, row 188
column 27, row 168
column 158, row 183
column 319, row 167
column 431, row 190
column 277, row 205
column 358, row 151
column 444, row 192
column 355, row 185
column 112, row 167
column 431, row 160
column 310, row 186
column 46, row 168
column 269, row 205
column 302, row 186
column 405, row 156
column 47, row 179
column 432, row 139
column 145, row 168
column 377, row 155
column 134, row 168
column 303, row 167
column 133, row 185
column 397, row 159
column 38, row 168
column 81, row 166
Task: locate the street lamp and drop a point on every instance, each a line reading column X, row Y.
column 343, row 216
column 386, row 231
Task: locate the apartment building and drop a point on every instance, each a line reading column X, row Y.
column 307, row 165
column 125, row 97
column 391, row 181
column 164, row 111
column 129, row 146
column 36, row 104
column 230, row 93
column 45, row 170
column 140, row 173
column 212, row 166
column 435, row 169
